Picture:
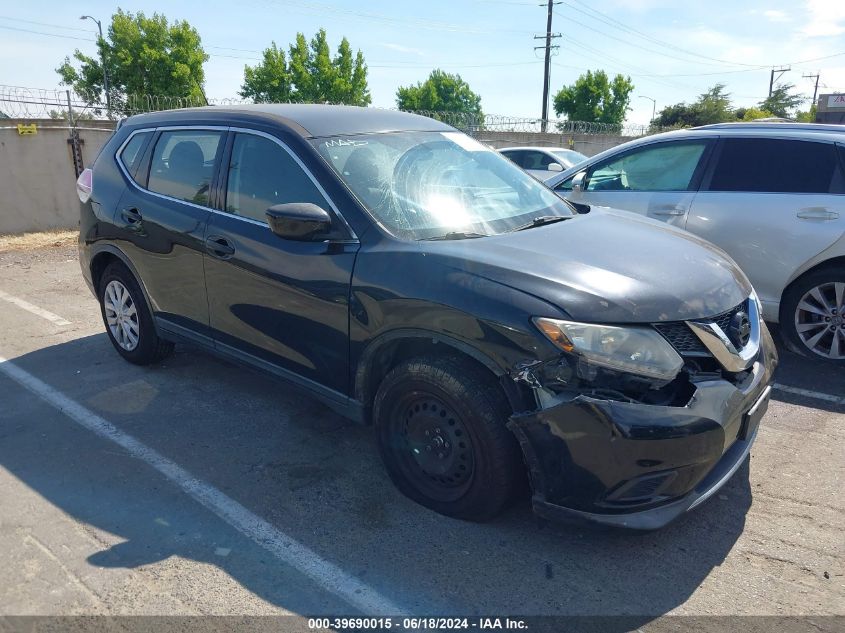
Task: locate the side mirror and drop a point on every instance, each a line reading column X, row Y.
column 300, row 221
column 555, row 167
column 578, row 181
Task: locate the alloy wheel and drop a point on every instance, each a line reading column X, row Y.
column 121, row 315
column 820, row 322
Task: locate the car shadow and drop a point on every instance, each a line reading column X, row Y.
column 799, row 373
column 317, row 477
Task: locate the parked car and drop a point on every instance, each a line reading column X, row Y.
column 543, row 162
column 772, row 195
column 412, row 278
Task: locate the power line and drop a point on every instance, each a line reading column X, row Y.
column 375, row 64
column 67, row 37
column 634, row 44
column 324, row 8
column 55, row 26
column 603, row 57
column 614, row 23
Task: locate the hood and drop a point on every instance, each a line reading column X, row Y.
column 608, row 266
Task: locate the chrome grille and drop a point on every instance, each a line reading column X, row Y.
column 685, row 342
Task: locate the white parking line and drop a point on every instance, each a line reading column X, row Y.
column 34, row 309
column 807, row 393
column 325, row 574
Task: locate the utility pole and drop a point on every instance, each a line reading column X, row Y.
column 780, row 71
column 101, row 45
column 816, row 89
column 549, row 36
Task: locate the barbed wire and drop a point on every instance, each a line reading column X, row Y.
column 38, row 103
column 471, row 122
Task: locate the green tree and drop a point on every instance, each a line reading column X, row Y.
column 308, row 74
column 712, row 106
column 595, row 99
column 807, row 117
column 441, row 92
column 782, row 102
column 751, row 114
column 144, row 56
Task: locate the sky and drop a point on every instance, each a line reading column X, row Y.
column 672, row 50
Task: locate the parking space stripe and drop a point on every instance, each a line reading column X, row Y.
column 808, row 393
column 288, row 550
column 34, row 309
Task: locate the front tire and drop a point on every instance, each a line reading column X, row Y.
column 441, row 433
column 811, row 316
column 128, row 321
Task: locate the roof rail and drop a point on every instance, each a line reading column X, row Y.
column 774, row 125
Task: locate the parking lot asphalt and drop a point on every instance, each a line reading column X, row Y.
column 199, row 487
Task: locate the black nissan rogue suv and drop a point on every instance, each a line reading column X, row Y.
column 412, row 278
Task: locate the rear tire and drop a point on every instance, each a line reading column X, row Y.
column 442, row 436
column 128, row 321
column 812, row 322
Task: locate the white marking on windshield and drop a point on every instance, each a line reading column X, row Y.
column 343, row 142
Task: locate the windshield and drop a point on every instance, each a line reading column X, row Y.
column 568, row 156
column 424, row 185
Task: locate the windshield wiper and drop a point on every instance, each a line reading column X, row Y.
column 455, row 235
column 541, row 221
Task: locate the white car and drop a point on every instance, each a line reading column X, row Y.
column 770, row 194
column 543, row 162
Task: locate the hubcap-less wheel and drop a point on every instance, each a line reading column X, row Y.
column 819, row 320
column 436, row 446
column 121, row 316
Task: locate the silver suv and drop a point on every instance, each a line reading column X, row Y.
column 770, row 194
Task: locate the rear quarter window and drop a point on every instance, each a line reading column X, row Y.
column 765, row 165
column 132, row 153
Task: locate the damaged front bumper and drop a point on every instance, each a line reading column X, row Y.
column 640, row 466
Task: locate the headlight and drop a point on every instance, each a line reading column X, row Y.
column 634, row 350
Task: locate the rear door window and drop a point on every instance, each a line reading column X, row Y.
column 767, row 165
column 537, row 160
column 658, row 167
column 183, row 164
column 517, row 157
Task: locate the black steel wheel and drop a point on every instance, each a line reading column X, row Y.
column 437, row 448
column 442, row 436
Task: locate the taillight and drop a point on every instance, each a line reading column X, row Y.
column 84, row 184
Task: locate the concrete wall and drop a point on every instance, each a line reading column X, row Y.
column 37, row 178
column 587, row 144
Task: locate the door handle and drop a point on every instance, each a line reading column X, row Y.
column 817, row 213
column 219, row 246
column 668, row 210
column 133, row 218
